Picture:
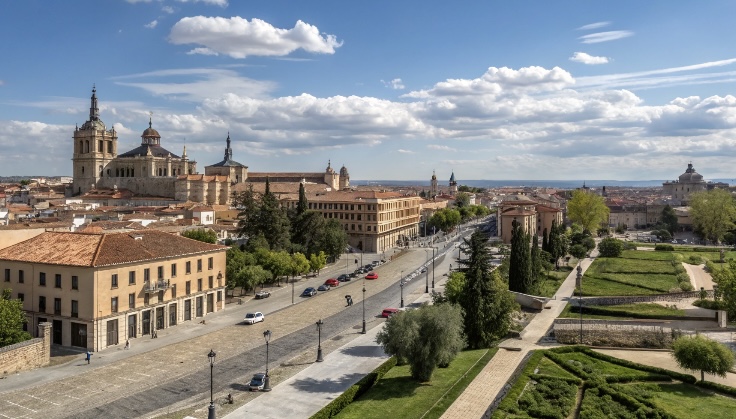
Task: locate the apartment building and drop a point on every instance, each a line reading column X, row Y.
column 98, row 290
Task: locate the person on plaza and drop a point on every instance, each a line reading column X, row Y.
column 89, row 356
column 127, row 344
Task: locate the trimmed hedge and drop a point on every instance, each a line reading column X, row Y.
column 664, row 248
column 721, row 388
column 510, row 401
column 687, row 378
column 355, row 391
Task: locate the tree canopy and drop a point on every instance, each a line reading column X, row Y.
column 713, row 213
column 520, row 269
column 587, row 209
column 669, row 219
column 201, row 234
column 12, row 319
column 703, row 354
column 610, row 247
column 445, row 219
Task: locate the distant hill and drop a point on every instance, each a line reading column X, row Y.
column 561, row 184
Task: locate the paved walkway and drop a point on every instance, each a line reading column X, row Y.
column 698, row 276
column 477, row 397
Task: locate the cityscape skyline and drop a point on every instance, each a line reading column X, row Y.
column 627, row 91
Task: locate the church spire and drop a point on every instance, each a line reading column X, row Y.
column 228, row 150
column 94, row 111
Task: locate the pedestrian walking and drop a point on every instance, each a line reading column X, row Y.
column 89, row 356
column 127, row 344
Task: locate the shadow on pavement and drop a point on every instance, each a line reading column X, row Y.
column 368, row 351
column 240, row 387
column 311, row 385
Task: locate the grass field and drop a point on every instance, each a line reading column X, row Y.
column 634, row 273
column 397, row 395
column 553, row 281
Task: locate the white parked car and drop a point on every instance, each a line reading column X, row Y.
column 252, row 318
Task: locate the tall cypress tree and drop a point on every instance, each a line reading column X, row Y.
column 545, row 244
column 536, row 266
column 520, row 260
column 302, row 205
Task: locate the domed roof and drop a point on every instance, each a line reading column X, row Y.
column 691, row 175
column 343, row 171
column 150, row 132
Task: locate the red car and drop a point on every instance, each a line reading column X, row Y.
column 372, row 275
column 332, row 282
column 388, row 312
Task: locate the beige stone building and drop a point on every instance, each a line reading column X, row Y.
column 98, row 290
column 686, row 184
column 533, row 216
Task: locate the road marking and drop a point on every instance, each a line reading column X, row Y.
column 43, row 400
column 19, row 405
column 140, row 373
column 71, row 397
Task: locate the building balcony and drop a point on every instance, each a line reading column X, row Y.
column 153, row 287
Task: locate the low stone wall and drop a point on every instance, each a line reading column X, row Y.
column 616, row 333
column 530, row 301
column 28, row 355
column 630, row 299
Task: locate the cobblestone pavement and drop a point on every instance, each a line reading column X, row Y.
column 478, row 396
column 176, row 376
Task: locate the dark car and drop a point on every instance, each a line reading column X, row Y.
column 262, row 294
column 324, row 287
column 257, row 382
column 309, row 292
column 343, row 278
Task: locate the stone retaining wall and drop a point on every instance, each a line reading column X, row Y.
column 673, row 297
column 616, row 333
column 28, row 355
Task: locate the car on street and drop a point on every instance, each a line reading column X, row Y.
column 375, row 263
column 368, row 267
column 343, row 278
column 324, row 287
column 253, row 318
column 308, row 292
column 332, row 282
column 423, row 270
column 257, row 382
column 372, row 275
column 262, row 294
column 388, row 312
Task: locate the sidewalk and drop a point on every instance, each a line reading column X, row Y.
column 305, row 393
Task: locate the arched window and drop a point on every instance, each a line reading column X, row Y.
column 81, row 147
column 82, row 169
column 86, row 146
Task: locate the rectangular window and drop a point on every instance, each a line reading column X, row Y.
column 75, row 282
column 199, row 284
column 189, row 287
column 160, row 296
column 21, row 297
column 131, row 278
column 219, row 296
column 210, row 263
column 42, row 279
column 160, row 272
column 146, row 275
column 131, row 300
column 75, row 308
column 42, row 304
column 57, row 306
column 109, row 146
column 145, row 299
column 173, row 270
column 7, row 275
column 199, row 265
column 173, row 291
column 114, row 280
column 211, row 281
column 114, row 304
column 21, row 276
column 189, row 267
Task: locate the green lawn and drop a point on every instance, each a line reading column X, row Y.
column 547, row 367
column 646, row 255
column 682, row 400
column 600, row 287
column 622, row 311
column 553, row 281
column 635, row 273
column 397, row 395
column 590, row 364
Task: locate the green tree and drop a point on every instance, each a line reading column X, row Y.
column 703, row 354
column 587, row 209
column 334, row 239
column 428, row 337
column 462, row 199
column 669, row 219
column 726, row 280
column 251, row 276
column 303, row 205
column 558, row 243
column 445, row 219
column 454, row 287
column 486, row 301
column 610, row 247
column 201, row 234
column 545, row 243
column 299, row 264
column 273, row 222
column 713, row 213
column 536, row 265
column 520, row 273
column 317, row 261
column 307, row 231
column 578, row 251
column 12, row 319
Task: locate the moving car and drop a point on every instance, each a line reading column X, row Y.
column 308, row 292
column 332, row 282
column 324, row 287
column 258, row 381
column 343, row 278
column 372, row 275
column 388, row 312
column 252, row 318
column 262, row 294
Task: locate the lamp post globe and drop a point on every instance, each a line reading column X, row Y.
column 267, row 380
column 211, row 409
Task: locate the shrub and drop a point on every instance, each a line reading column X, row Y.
column 695, row 260
column 549, row 397
column 710, row 304
column 686, row 285
column 664, row 247
column 721, row 388
column 629, row 246
column 709, row 266
column 687, row 378
column 610, row 247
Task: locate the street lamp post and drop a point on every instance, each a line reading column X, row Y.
column 319, row 340
column 433, row 258
column 363, row 331
column 267, row 380
column 579, row 281
column 211, row 410
column 426, row 277
column 401, row 286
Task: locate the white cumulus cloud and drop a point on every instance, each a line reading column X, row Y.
column 597, row 37
column 221, row 3
column 591, row 26
column 152, row 24
column 239, row 38
column 401, row 150
column 582, row 57
column 395, row 84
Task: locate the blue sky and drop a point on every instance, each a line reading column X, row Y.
column 532, row 90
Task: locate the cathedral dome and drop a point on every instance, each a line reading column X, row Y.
column 150, row 132
column 344, row 171
column 690, row 175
